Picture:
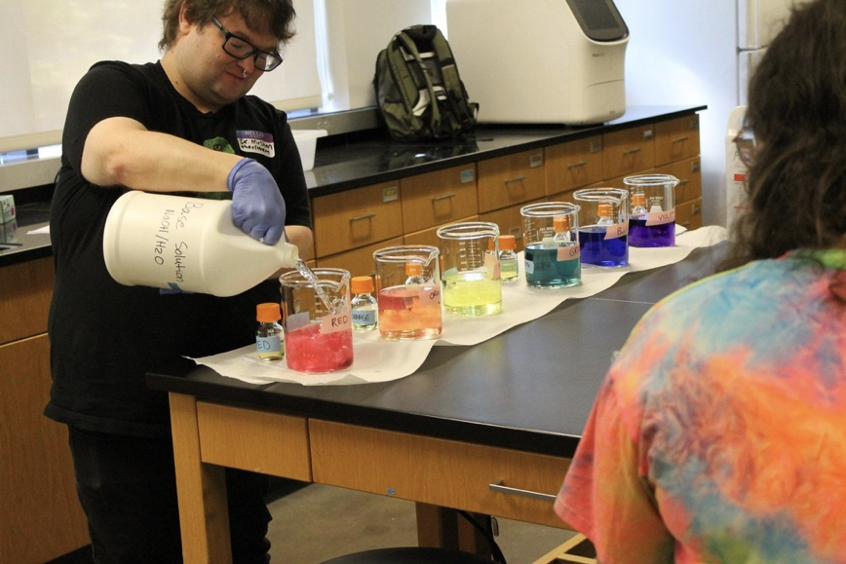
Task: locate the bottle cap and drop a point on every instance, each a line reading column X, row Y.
column 604, row 209
column 507, row 242
column 413, row 269
column 361, row 284
column 639, row 199
column 561, row 223
column 268, row 313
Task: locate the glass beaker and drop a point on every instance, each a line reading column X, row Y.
column 471, row 268
column 652, row 221
column 408, row 287
column 317, row 319
column 603, row 226
column 551, row 257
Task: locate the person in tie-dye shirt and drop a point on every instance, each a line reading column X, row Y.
column 719, row 434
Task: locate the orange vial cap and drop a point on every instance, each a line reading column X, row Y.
column 639, row 199
column 507, row 243
column 361, row 284
column 604, row 209
column 268, row 313
column 413, row 269
column 561, row 223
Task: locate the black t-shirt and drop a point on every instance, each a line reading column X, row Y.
column 105, row 337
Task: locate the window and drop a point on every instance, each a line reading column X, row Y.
column 47, row 45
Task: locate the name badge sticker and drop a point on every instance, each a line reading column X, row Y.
column 258, row 142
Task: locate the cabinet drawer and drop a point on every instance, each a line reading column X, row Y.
column 573, row 164
column 258, row 441
column 356, row 218
column 359, row 262
column 689, row 173
column 676, row 139
column 628, row 151
column 689, row 214
column 509, row 180
column 430, row 236
column 509, row 220
column 439, row 197
column 413, row 467
column 27, row 290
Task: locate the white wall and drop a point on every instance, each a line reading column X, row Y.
column 358, row 30
column 683, row 52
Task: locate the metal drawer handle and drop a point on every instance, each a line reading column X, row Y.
column 499, row 488
column 444, row 197
column 681, row 139
column 518, row 179
column 579, row 163
column 362, row 217
column 684, row 181
column 631, row 151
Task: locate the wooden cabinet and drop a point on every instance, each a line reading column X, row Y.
column 344, row 455
column 437, row 198
column 628, row 151
column 512, row 179
column 350, row 225
column 573, row 164
column 356, row 218
column 41, row 518
column 676, row 139
column 358, row 261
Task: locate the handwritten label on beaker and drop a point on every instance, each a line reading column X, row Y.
column 617, row 230
column 429, row 295
column 568, row 252
column 492, row 265
column 335, row 323
column 661, row 217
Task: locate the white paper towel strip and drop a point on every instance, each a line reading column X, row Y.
column 378, row 360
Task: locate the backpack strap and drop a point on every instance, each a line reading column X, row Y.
column 401, row 71
column 456, row 94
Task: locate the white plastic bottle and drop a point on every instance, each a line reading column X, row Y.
column 363, row 304
column 186, row 244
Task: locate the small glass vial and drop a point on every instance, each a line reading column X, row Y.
column 639, row 206
column 561, row 228
column 363, row 304
column 414, row 271
column 269, row 333
column 508, row 258
column 604, row 211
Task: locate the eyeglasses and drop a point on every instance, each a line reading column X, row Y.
column 746, row 144
column 240, row 48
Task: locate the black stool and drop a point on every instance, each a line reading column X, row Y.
column 410, row 555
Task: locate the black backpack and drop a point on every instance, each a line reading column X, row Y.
column 418, row 90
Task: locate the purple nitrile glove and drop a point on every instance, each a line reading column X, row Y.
column 257, row 205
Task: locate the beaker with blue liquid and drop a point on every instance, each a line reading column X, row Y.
column 603, row 226
column 551, row 257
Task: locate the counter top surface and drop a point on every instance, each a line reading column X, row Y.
column 530, row 388
column 356, row 163
column 360, row 163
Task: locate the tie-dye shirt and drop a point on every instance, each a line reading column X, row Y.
column 719, row 434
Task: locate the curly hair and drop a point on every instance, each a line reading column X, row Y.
column 274, row 16
column 797, row 110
